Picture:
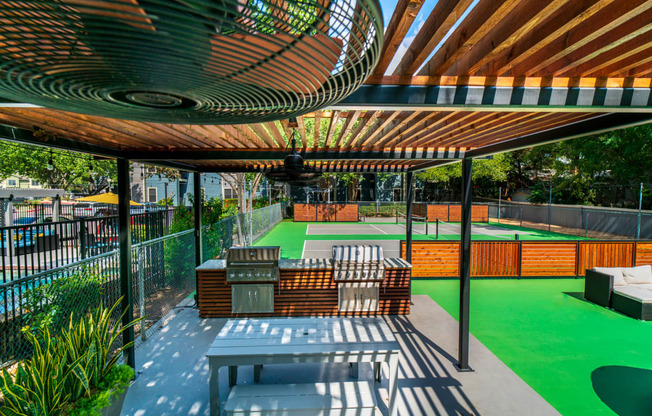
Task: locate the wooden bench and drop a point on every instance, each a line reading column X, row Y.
column 348, row 398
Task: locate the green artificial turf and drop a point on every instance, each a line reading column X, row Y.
column 585, row 360
column 291, row 236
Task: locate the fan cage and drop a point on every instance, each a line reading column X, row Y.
column 190, row 62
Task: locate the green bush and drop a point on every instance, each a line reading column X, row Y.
column 115, row 383
column 81, row 362
column 53, row 304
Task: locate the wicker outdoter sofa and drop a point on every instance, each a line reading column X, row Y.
column 625, row 289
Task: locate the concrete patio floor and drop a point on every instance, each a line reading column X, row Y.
column 174, row 371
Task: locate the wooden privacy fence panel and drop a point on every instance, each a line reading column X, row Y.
column 643, row 253
column 479, row 213
column 434, row 260
column 305, row 212
column 526, row 258
column 421, row 210
column 437, row 212
column 490, row 259
column 605, row 254
column 556, row 258
column 347, row 212
column 326, row 212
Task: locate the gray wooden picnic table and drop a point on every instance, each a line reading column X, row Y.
column 302, row 340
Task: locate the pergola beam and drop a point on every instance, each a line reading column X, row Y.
column 596, row 99
column 425, row 153
column 582, row 128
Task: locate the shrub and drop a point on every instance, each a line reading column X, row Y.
column 81, row 362
column 52, row 305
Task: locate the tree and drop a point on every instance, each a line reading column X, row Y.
column 350, row 180
column 604, row 169
column 487, row 175
column 70, row 171
column 240, row 183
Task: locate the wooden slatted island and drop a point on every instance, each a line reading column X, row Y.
column 305, row 288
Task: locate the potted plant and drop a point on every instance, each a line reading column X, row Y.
column 74, row 373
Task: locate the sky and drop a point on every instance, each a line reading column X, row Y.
column 388, row 7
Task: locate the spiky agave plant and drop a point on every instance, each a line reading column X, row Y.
column 64, row 368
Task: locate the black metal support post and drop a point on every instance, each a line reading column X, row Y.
column 124, row 227
column 198, row 213
column 465, row 266
column 198, row 227
column 408, row 218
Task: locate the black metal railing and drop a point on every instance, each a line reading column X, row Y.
column 31, row 248
column 163, row 273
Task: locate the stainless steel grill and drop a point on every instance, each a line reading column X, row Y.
column 252, row 264
column 354, row 263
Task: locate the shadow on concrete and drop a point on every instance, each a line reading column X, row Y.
column 626, row 390
column 428, row 366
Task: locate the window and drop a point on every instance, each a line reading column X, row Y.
column 35, row 183
column 397, row 194
column 152, row 195
column 228, row 193
column 11, row 182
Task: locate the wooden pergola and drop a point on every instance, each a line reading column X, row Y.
column 499, row 76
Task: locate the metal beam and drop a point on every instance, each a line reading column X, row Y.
column 280, row 154
column 408, row 216
column 431, row 164
column 465, row 266
column 196, row 177
column 17, row 134
column 124, row 238
column 592, row 126
column 497, row 98
column 20, row 135
column 359, row 169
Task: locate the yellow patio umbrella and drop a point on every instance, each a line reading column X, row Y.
column 107, row 198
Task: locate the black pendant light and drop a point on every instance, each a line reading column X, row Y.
column 293, row 170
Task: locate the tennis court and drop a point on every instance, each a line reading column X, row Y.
column 418, row 227
column 315, row 239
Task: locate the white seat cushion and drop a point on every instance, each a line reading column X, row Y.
column 635, row 292
column 647, row 286
column 616, row 272
column 638, row 275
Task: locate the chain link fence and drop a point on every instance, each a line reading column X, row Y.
column 585, row 221
column 163, row 277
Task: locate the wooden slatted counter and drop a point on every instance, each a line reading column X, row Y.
column 305, row 288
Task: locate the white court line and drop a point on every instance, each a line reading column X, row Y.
column 308, row 229
column 303, row 251
column 377, row 228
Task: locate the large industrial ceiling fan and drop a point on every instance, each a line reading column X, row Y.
column 187, row 61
